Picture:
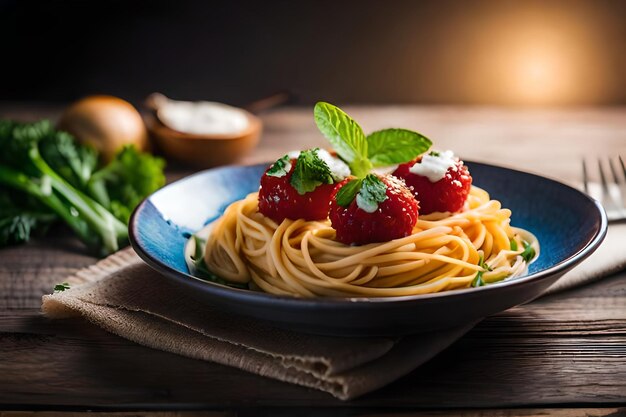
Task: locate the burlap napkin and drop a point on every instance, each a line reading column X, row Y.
column 124, row 296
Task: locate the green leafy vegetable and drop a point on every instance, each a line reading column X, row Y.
column 529, row 253
column 369, row 192
column 126, row 180
column 513, row 244
column 51, row 176
column 373, row 191
column 18, row 227
column 71, row 161
column 280, row 168
column 478, row 280
column 345, row 135
column 395, row 146
column 202, row 272
column 198, row 253
column 347, row 193
column 61, row 287
column 310, row 171
column 21, row 216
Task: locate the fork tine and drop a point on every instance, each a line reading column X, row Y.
column 617, row 188
column 614, row 172
column 585, row 177
column 621, row 185
column 605, row 185
column 610, row 190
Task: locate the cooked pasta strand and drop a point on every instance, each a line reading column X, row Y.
column 301, row 258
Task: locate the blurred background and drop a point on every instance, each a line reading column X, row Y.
column 486, row 52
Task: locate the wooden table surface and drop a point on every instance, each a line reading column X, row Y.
column 561, row 355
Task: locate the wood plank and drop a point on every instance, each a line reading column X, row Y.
column 29, row 271
column 529, row 412
column 531, row 355
column 118, row 414
column 532, row 412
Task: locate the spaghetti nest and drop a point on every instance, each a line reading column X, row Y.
column 301, row 258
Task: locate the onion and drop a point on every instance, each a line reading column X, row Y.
column 107, row 123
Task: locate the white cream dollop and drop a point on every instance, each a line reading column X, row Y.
column 284, row 172
column 202, row 117
column 338, row 169
column 434, row 167
column 361, row 203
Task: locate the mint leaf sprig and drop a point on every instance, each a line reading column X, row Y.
column 345, row 135
column 362, row 153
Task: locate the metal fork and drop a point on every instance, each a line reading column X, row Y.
column 610, row 190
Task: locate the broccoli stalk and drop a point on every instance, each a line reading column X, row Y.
column 125, row 181
column 41, row 191
column 93, row 224
column 49, row 166
column 45, row 175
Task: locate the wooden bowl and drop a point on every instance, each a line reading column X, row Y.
column 204, row 151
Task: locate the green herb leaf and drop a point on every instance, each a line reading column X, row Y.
column 529, row 252
column 478, row 280
column 198, row 253
column 20, row 216
column 484, row 264
column 369, row 192
column 18, row 227
column 310, row 172
column 513, row 244
column 280, row 168
column 373, row 191
column 395, row 146
column 201, row 271
column 74, row 162
column 126, row 181
column 345, row 135
column 61, row 287
column 346, row 194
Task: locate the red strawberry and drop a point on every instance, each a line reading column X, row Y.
column 293, row 191
column 445, row 190
column 394, row 210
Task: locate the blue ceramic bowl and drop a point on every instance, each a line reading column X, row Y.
column 568, row 224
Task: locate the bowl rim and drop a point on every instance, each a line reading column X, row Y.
column 350, row 302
